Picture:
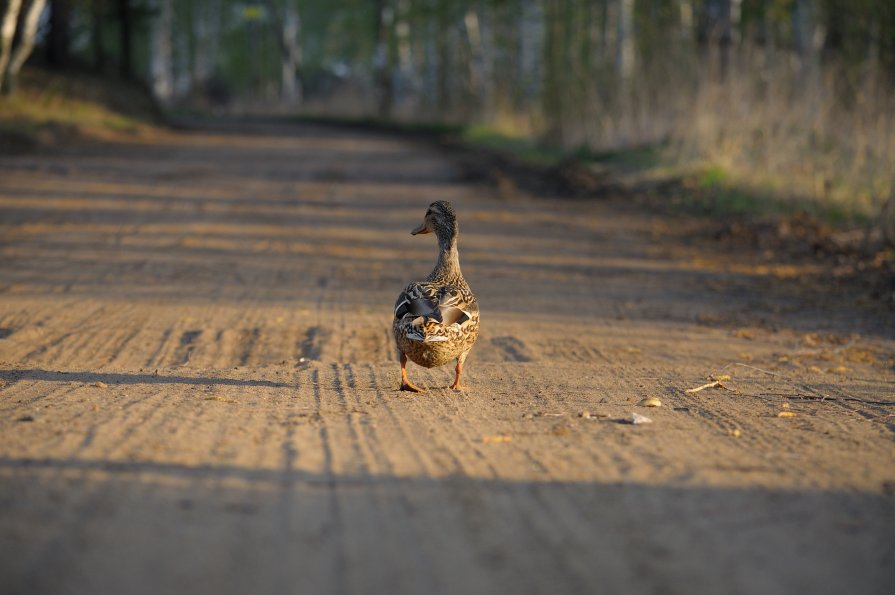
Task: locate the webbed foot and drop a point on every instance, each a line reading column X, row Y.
column 405, row 383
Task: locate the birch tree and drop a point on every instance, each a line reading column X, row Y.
column 624, row 52
column 7, row 33
column 715, row 34
column 382, row 58
column 25, row 47
column 161, row 64
column 287, row 25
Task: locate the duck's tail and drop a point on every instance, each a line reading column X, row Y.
column 423, row 328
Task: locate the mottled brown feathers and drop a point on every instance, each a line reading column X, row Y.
column 437, row 319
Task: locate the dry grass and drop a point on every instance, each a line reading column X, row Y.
column 797, row 136
column 51, row 108
column 824, row 135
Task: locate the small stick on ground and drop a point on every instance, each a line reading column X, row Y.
column 715, row 384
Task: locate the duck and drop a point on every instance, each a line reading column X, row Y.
column 437, row 319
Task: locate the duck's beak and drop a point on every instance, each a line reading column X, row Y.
column 421, row 229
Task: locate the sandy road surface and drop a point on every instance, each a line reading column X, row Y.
column 197, row 388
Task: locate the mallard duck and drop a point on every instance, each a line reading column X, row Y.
column 437, row 320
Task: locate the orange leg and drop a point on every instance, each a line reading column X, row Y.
column 456, row 385
column 405, row 383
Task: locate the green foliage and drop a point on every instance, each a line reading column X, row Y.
column 712, row 177
column 798, row 99
column 636, row 158
column 520, row 147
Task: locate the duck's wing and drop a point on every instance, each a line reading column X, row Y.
column 417, row 299
column 456, row 305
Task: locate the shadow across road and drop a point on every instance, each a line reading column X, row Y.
column 106, row 526
column 124, row 378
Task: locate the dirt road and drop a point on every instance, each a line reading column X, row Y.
column 198, row 387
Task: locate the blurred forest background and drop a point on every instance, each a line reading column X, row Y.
column 788, row 96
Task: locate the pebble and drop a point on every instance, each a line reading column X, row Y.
column 100, row 384
column 650, row 402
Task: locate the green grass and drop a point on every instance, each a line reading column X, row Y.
column 525, row 149
column 712, row 177
column 718, row 192
column 634, row 158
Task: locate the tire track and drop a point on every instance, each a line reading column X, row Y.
column 156, row 358
column 531, row 516
column 336, row 514
column 93, row 501
column 444, row 513
column 391, row 508
column 423, row 461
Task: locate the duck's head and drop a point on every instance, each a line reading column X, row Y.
column 441, row 220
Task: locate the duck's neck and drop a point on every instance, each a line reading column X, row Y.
column 448, row 266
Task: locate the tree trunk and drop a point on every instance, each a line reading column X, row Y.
column 489, row 83
column 473, row 32
column 624, row 39
column 408, row 85
column 531, row 51
column 804, row 29
column 208, row 33
column 7, row 33
column 428, row 66
column 59, row 38
column 443, row 95
column 126, row 21
column 26, row 44
column 476, row 25
column 96, row 37
column 553, row 95
column 287, row 25
column 887, row 219
column 291, row 56
column 715, row 33
column 161, row 55
column 382, row 60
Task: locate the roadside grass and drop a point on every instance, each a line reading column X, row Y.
column 53, row 108
column 520, row 147
column 674, row 184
